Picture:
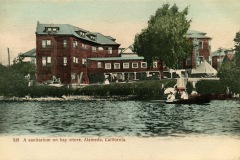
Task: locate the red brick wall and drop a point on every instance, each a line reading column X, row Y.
column 204, row 51
column 57, row 51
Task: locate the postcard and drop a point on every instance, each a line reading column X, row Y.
column 119, row 79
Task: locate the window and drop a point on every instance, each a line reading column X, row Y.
column 92, row 37
column 209, row 44
column 125, row 65
column 143, row 64
column 107, row 65
column 134, row 65
column 155, row 64
column 84, row 46
column 109, row 50
column 73, row 75
column 94, row 49
column 46, row 43
column 44, row 61
column 84, row 62
column 54, row 29
column 65, row 42
column 49, row 60
column 64, row 61
column 82, row 34
column 116, row 65
column 200, row 60
column 99, row 65
column 200, row 45
column 75, row 44
column 75, row 60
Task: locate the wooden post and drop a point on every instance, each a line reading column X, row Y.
column 8, row 57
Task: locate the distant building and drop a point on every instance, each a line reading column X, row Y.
column 29, row 56
column 221, row 56
column 201, row 49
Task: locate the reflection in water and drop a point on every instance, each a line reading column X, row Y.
column 118, row 118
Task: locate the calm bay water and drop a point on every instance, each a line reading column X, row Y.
column 119, row 118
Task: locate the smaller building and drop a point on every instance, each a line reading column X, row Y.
column 29, row 56
column 127, row 66
column 221, row 56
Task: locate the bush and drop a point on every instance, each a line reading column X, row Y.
column 189, row 87
column 170, row 83
column 149, row 89
column 210, row 87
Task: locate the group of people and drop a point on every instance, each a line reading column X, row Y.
column 172, row 96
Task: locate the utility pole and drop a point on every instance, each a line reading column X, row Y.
column 8, row 57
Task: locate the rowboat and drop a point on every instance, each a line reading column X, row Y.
column 202, row 99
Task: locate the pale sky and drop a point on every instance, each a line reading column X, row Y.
column 121, row 19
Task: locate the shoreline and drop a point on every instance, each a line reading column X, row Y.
column 66, row 98
column 99, row 98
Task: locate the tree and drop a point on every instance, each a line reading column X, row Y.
column 237, row 49
column 23, row 68
column 164, row 39
column 12, row 83
column 229, row 72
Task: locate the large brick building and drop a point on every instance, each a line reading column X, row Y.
column 75, row 56
column 201, row 49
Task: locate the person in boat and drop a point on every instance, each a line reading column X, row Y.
column 171, row 97
column 194, row 92
column 184, row 95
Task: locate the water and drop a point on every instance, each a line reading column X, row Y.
column 119, row 118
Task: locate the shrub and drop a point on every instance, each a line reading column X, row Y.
column 210, row 87
column 149, row 89
column 189, row 87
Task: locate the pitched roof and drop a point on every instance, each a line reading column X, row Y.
column 228, row 57
column 204, row 67
column 128, row 50
column 67, row 29
column 196, row 34
column 223, row 52
column 30, row 53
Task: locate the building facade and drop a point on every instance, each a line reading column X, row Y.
column 76, row 56
column 221, row 56
column 201, row 49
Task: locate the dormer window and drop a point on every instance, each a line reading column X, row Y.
column 54, row 29
column 92, row 37
column 82, row 34
column 51, row 29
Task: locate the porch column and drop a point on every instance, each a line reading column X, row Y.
column 135, row 75
column 123, row 77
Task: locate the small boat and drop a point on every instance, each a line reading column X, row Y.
column 202, row 99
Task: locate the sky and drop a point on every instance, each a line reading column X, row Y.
column 121, row 19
